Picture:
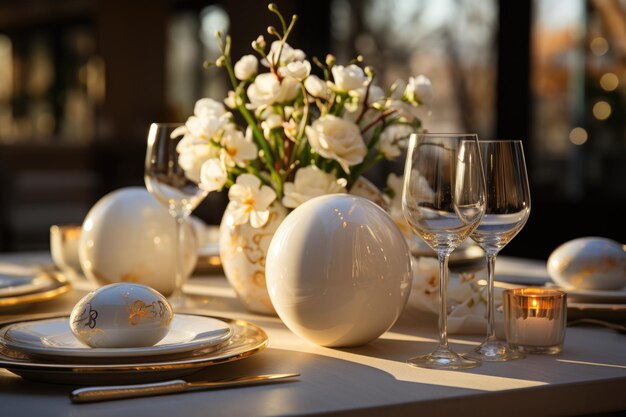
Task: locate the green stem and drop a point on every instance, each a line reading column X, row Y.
column 301, row 128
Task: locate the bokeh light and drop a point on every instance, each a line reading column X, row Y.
column 578, row 136
column 609, row 81
column 602, row 110
column 599, row 46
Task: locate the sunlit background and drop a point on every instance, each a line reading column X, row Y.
column 80, row 81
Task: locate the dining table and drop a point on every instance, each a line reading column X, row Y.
column 587, row 378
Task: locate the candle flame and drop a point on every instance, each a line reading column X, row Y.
column 534, row 303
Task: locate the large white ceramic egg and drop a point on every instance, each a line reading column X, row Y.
column 128, row 236
column 121, row 315
column 590, row 263
column 338, row 271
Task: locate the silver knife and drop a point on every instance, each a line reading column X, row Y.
column 92, row 394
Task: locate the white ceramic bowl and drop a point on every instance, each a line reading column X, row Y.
column 338, row 271
column 121, row 315
column 589, row 263
column 128, row 236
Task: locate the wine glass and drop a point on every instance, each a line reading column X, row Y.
column 443, row 200
column 168, row 182
column 506, row 212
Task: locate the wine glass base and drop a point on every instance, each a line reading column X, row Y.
column 494, row 351
column 443, row 358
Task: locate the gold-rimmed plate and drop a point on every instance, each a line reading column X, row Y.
column 56, row 285
column 246, row 340
column 53, row 340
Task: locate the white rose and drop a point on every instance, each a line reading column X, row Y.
column 246, row 67
column 205, row 128
column 316, row 87
column 191, row 157
column 266, row 90
column 287, row 55
column 297, row 69
column 394, row 138
column 213, row 175
column 209, row 117
column 207, row 107
column 338, row 139
column 348, row 78
column 311, row 182
column 419, row 90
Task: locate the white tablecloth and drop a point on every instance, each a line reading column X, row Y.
column 588, row 377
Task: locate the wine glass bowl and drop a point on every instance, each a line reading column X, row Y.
column 443, row 201
column 173, row 186
column 165, row 178
column 506, row 211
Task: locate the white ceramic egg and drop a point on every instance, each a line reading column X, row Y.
column 589, row 263
column 121, row 315
column 128, row 236
column 338, row 271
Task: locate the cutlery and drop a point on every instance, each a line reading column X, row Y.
column 92, row 394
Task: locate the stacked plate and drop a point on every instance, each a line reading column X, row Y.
column 601, row 305
column 44, row 349
column 595, row 304
column 21, row 290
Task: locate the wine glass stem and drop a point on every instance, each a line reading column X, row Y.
column 491, row 265
column 180, row 265
column 443, row 297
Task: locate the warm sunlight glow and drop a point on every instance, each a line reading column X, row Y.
column 608, row 365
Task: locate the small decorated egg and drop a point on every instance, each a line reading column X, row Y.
column 590, row 263
column 121, row 315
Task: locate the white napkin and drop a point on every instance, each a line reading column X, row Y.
column 467, row 299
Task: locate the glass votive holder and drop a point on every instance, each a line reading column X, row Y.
column 64, row 247
column 535, row 319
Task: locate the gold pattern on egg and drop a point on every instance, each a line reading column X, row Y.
column 139, row 310
column 136, row 312
column 89, row 334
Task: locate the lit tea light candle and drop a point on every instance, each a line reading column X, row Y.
column 535, row 319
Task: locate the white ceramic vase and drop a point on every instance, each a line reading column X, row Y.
column 128, row 236
column 243, row 250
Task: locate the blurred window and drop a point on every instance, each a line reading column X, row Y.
column 578, row 86
column 450, row 41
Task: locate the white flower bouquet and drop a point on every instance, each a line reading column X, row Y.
column 305, row 136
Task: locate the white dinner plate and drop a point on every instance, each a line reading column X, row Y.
column 12, row 285
column 596, row 296
column 53, row 338
column 58, row 285
column 528, row 272
column 246, row 340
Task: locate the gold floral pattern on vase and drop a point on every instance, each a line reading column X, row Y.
column 243, row 250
